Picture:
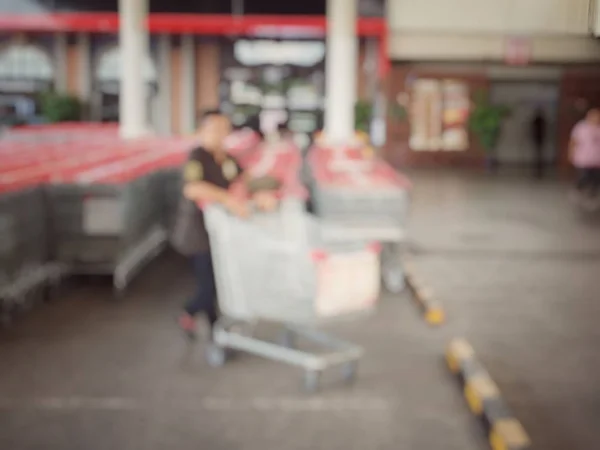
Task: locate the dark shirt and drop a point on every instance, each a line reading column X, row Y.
column 538, row 129
column 202, row 166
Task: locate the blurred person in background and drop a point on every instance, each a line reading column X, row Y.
column 584, row 152
column 253, row 123
column 538, row 136
column 207, row 176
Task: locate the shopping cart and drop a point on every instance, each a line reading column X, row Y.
column 26, row 272
column 109, row 220
column 277, row 267
column 364, row 198
column 31, row 157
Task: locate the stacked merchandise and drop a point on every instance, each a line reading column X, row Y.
column 281, row 160
column 242, row 142
column 364, row 195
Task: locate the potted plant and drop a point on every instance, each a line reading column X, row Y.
column 363, row 113
column 56, row 107
column 398, row 112
column 485, row 122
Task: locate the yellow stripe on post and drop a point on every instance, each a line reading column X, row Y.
column 507, row 434
column 458, row 350
column 435, row 316
column 473, row 399
column 453, row 363
column 478, row 389
column 485, row 386
column 461, row 349
column 424, row 294
column 368, row 152
column 408, row 267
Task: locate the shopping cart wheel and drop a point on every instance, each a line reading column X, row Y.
column 288, row 339
column 119, row 293
column 393, row 279
column 6, row 319
column 311, row 380
column 215, row 355
column 349, row 371
column 392, row 272
column 49, row 293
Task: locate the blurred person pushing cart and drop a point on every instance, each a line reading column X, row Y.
column 207, row 176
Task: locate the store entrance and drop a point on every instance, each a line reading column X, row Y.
column 274, row 82
column 525, row 100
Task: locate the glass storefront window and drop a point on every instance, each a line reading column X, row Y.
column 284, row 78
column 252, row 52
column 439, row 112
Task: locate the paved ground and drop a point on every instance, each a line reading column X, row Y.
column 517, row 268
column 513, row 265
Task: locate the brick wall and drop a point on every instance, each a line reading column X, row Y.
column 580, row 89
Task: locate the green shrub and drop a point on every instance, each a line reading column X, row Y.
column 486, row 121
column 56, row 107
column 363, row 113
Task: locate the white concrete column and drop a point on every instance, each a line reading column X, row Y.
column 84, row 72
column 371, row 67
column 60, row 62
column 133, row 44
column 188, row 83
column 163, row 113
column 340, row 70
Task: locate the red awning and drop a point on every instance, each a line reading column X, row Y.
column 208, row 24
column 202, row 24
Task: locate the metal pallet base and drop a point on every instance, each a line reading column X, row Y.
column 343, row 354
column 19, row 293
column 137, row 258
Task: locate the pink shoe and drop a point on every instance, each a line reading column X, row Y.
column 188, row 325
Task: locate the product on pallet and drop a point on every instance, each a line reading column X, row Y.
column 369, row 192
column 281, row 157
column 278, row 267
column 362, row 196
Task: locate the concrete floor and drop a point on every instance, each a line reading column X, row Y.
column 516, row 268
column 513, row 265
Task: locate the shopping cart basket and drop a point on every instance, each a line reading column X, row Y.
column 277, row 267
column 110, row 220
column 25, row 268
